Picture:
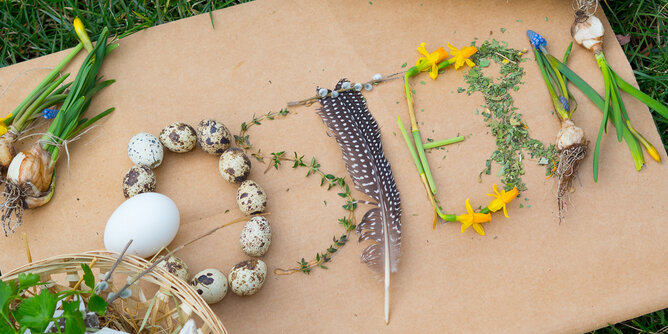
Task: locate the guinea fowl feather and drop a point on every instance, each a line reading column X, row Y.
column 358, row 135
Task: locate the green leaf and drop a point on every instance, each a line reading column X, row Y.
column 74, row 319
column 28, row 281
column 6, row 296
column 36, row 312
column 88, row 277
column 657, row 106
column 97, row 304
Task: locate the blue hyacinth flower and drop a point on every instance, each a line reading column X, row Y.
column 49, row 113
column 536, row 39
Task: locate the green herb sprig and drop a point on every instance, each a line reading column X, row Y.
column 296, row 161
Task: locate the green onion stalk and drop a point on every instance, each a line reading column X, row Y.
column 587, row 30
column 50, row 92
column 31, row 174
column 571, row 142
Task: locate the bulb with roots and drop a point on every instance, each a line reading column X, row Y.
column 572, row 147
column 29, row 184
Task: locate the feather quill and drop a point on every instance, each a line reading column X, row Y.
column 358, row 135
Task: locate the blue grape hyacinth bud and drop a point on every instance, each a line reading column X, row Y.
column 564, row 102
column 49, row 113
column 536, row 39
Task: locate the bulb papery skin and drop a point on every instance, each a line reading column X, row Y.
column 588, row 33
column 7, row 150
column 569, row 135
column 31, row 171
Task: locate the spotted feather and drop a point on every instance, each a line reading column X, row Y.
column 358, row 135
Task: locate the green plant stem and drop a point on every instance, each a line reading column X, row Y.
column 443, row 142
column 23, row 121
column 409, row 144
column 46, row 81
column 631, row 142
column 542, row 64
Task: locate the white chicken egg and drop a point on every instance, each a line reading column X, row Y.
column 151, row 220
column 211, row 284
column 145, row 149
column 256, row 236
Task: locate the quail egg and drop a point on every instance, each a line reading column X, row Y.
column 178, row 137
column 251, row 198
column 138, row 179
column 145, row 149
column 213, row 137
column 234, row 165
column 247, row 277
column 176, row 266
column 211, row 284
column 256, row 236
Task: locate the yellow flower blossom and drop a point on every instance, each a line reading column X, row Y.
column 82, row 34
column 430, row 60
column 473, row 219
column 462, row 56
column 501, row 199
column 3, row 126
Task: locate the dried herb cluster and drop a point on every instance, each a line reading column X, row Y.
column 505, row 123
column 275, row 160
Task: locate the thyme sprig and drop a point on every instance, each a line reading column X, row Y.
column 313, row 167
column 501, row 116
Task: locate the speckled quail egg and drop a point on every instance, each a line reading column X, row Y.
column 234, row 165
column 138, row 179
column 211, row 284
column 251, row 198
column 247, row 277
column 178, row 137
column 213, row 137
column 256, row 236
column 176, row 266
column 145, row 149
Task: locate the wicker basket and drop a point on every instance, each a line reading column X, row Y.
column 173, row 301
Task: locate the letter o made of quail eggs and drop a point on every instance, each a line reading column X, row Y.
column 234, row 165
column 247, row 277
column 178, row 137
column 138, row 179
column 213, row 137
column 145, row 149
column 251, row 198
column 210, row 284
column 176, row 266
column 256, row 236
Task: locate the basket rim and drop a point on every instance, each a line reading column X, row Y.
column 158, row 276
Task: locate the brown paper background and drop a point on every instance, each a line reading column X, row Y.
column 605, row 264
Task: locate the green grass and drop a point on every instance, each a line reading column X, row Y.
column 31, row 29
